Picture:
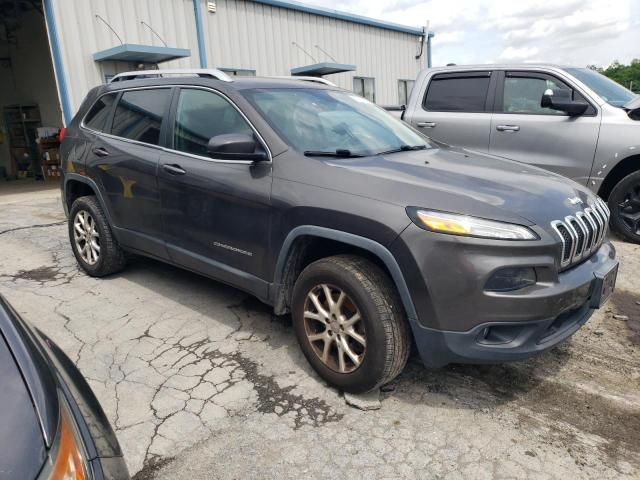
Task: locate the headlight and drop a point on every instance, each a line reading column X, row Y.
column 455, row 224
column 67, row 459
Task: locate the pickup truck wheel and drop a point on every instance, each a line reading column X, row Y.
column 94, row 246
column 350, row 323
column 624, row 203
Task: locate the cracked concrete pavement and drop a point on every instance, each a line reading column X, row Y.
column 202, row 381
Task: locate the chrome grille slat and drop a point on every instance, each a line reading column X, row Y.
column 582, row 234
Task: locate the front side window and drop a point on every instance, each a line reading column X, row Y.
column 139, row 115
column 201, row 115
column 523, row 94
column 365, row 87
column 458, row 92
column 404, row 91
column 329, row 120
column 96, row 118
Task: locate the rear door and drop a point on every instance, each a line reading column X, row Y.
column 456, row 109
column 124, row 163
column 216, row 212
column 523, row 130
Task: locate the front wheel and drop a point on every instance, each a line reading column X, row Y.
column 624, row 203
column 350, row 323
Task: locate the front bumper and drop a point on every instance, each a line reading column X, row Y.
column 460, row 322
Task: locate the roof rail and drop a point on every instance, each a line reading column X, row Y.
column 198, row 72
column 305, row 79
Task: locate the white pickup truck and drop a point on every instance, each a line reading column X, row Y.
column 573, row 121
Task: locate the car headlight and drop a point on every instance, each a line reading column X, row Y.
column 67, row 459
column 455, row 224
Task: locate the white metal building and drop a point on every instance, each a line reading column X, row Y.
column 53, row 51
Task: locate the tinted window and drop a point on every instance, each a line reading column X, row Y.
column 523, row 94
column 201, row 115
column 139, row 115
column 97, row 117
column 610, row 91
column 457, row 94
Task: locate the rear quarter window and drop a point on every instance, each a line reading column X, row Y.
column 97, row 116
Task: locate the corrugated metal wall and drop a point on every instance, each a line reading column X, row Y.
column 244, row 34
column 241, row 34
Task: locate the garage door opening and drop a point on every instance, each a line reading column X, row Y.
column 30, row 113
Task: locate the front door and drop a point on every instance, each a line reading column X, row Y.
column 523, row 130
column 216, row 213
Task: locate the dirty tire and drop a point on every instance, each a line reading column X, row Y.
column 627, row 192
column 372, row 292
column 112, row 258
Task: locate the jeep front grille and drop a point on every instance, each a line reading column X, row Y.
column 582, row 234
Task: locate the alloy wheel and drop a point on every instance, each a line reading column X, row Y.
column 334, row 327
column 629, row 209
column 86, row 237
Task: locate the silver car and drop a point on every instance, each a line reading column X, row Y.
column 573, row 121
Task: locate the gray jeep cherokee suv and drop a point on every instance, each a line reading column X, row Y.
column 323, row 205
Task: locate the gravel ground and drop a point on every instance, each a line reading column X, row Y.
column 202, row 381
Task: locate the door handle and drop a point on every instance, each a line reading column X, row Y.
column 426, row 124
column 508, row 128
column 173, row 169
column 100, row 152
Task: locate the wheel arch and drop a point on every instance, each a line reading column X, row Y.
column 294, row 256
column 625, row 167
column 76, row 186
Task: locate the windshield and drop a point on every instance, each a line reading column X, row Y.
column 319, row 120
column 611, row 92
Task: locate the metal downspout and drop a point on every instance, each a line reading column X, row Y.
column 58, row 67
column 197, row 9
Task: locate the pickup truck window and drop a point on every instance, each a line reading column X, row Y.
column 201, row 115
column 522, row 93
column 459, row 92
column 330, row 120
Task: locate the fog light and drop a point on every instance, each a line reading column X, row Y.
column 512, row 278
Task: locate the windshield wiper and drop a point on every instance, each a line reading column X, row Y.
column 340, row 153
column 404, row 148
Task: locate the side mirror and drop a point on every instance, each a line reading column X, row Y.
column 561, row 100
column 236, row 146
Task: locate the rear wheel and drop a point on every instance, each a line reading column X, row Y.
column 94, row 246
column 624, row 203
column 350, row 323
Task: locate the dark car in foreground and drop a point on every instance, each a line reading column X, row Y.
column 323, row 205
column 51, row 425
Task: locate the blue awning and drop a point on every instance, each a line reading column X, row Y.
column 130, row 52
column 320, row 69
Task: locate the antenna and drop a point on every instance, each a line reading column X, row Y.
column 153, row 31
column 327, row 54
column 311, row 56
column 110, row 28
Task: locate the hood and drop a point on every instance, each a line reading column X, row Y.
column 465, row 182
column 23, row 449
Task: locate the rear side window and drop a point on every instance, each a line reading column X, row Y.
column 139, row 115
column 458, row 92
column 96, row 118
column 201, row 115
